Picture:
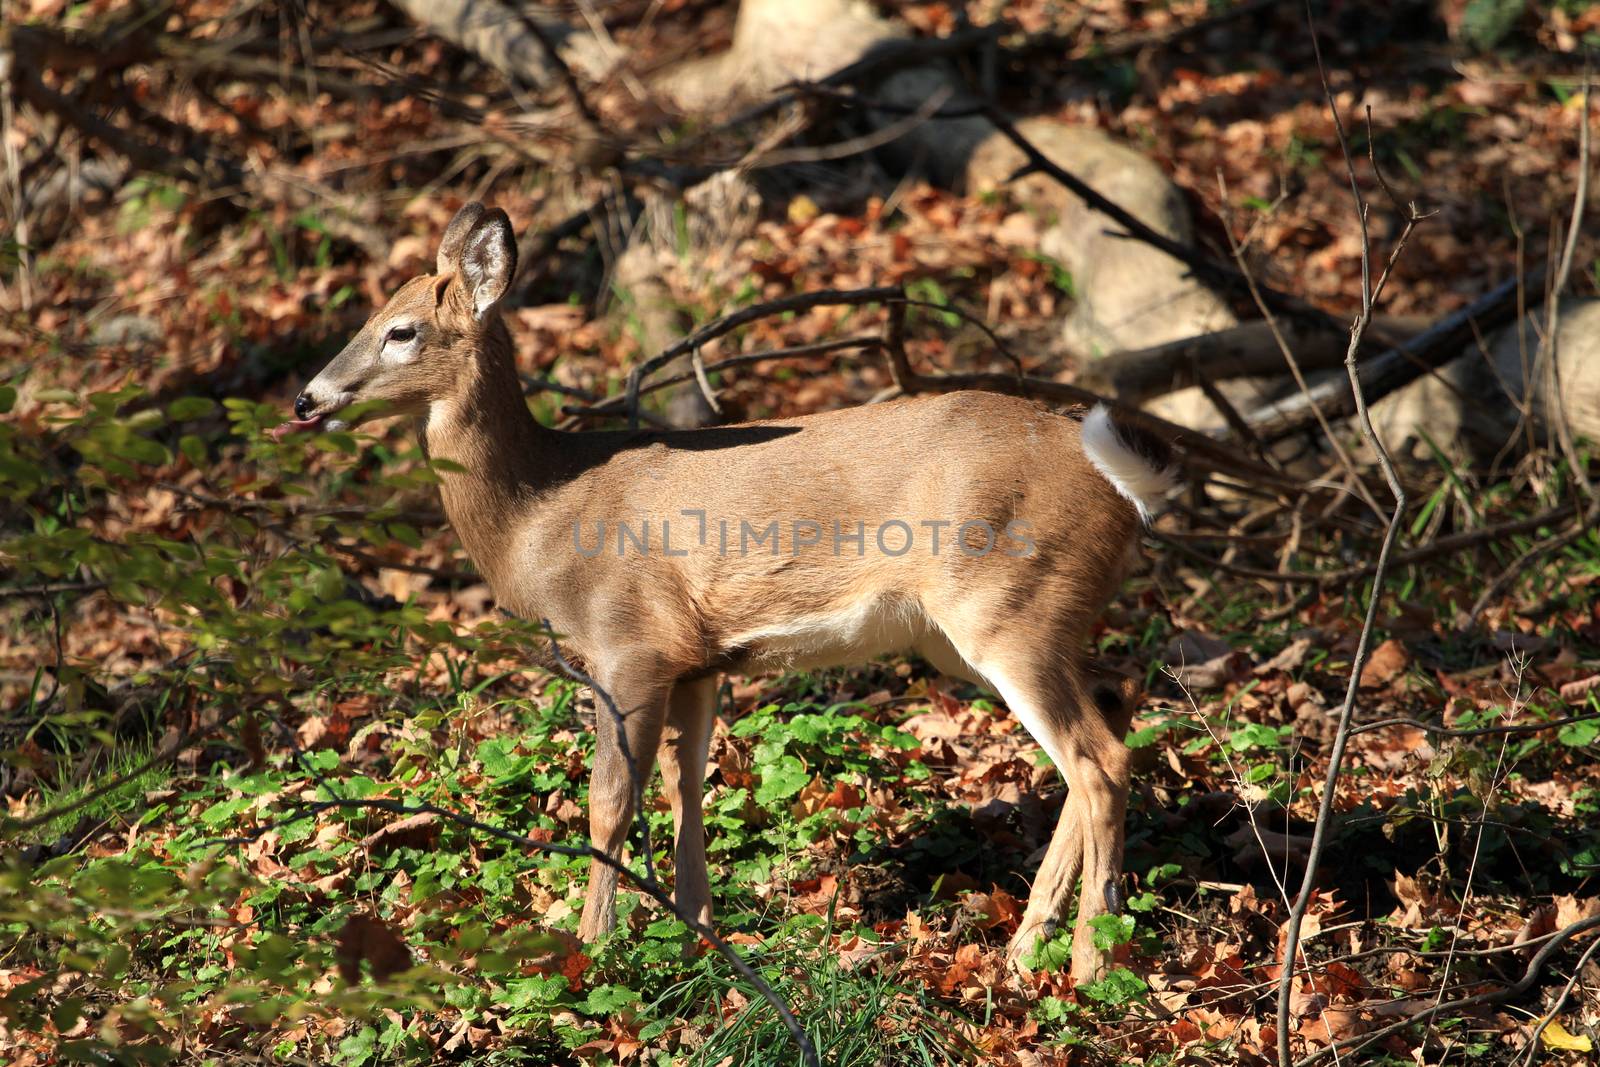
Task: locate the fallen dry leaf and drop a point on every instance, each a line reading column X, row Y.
column 1291, row 658
column 1570, row 909
column 1334, row 1024
column 366, row 937
column 1574, row 692
column 1387, row 662
column 416, row 831
column 1557, row 1036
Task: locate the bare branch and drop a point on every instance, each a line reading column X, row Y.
column 1549, row 352
column 563, row 71
column 1207, row 269
column 1435, row 730
column 616, row 405
column 743, row 317
column 1518, row 567
column 1555, row 1009
column 1444, row 546
column 1339, row 451
column 1391, row 531
column 1247, row 350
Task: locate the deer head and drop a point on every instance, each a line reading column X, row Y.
column 416, row 348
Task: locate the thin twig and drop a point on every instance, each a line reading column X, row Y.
column 1204, row 267
column 1495, row 781
column 886, row 55
column 1561, row 1000
column 970, row 319
column 1236, row 422
column 854, row 146
column 617, row 404
column 1319, row 833
column 1435, row 730
column 1550, row 351
column 569, row 81
column 1444, row 546
column 743, row 317
column 703, row 380
column 1518, row 567
column 1339, row 451
column 1217, row 454
column 1195, row 448
column 1384, row 373
column 823, row 91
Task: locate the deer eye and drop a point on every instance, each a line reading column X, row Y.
column 401, row 334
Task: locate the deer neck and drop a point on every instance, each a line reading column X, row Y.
column 485, row 426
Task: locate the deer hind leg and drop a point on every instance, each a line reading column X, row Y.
column 1054, row 702
column 1088, row 837
column 641, row 703
column 690, row 712
column 1050, row 897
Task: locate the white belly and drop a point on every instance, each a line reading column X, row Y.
column 863, row 632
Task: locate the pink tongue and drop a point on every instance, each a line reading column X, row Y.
column 282, row 430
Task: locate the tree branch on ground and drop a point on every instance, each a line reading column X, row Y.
column 1401, row 365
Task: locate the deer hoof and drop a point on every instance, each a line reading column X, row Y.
column 1113, row 897
column 1021, row 946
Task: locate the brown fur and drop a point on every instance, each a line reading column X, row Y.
column 653, row 629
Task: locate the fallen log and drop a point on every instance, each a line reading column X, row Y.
column 1383, row 374
column 1245, row 351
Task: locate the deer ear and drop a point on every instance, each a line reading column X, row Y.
column 489, row 260
column 455, row 237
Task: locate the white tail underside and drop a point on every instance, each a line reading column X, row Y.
column 1144, row 485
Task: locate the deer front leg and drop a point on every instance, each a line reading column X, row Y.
column 641, row 703
column 691, row 711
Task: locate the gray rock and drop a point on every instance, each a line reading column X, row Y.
column 775, row 42
column 1474, row 405
column 136, row 331
column 1129, row 295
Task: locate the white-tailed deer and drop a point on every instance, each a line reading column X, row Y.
column 980, row 531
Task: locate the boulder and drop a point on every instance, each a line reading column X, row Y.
column 775, row 42
column 1129, row 295
column 692, row 241
column 1473, row 406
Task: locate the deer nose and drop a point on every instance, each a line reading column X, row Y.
column 302, row 406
